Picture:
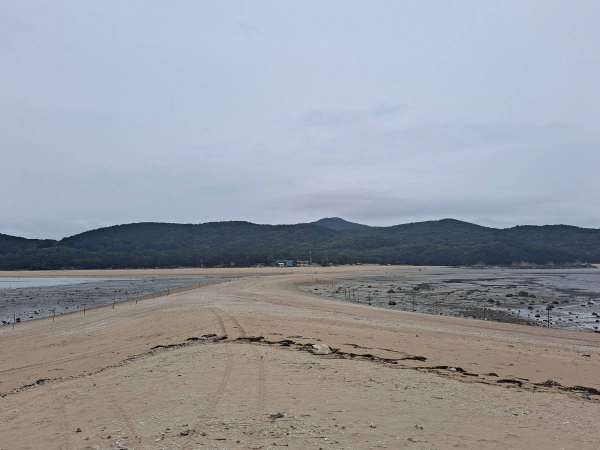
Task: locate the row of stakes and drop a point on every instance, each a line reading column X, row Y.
column 161, row 293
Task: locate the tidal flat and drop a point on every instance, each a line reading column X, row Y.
column 570, row 298
column 29, row 298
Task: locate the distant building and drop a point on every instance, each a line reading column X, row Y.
column 301, row 263
column 284, row 263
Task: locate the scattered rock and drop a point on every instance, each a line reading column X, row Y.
column 322, row 349
column 275, row 416
column 509, row 381
column 250, row 339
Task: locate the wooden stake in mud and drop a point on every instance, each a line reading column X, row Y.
column 14, row 320
column 484, row 313
column 113, row 303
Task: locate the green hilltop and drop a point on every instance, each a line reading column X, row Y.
column 330, row 240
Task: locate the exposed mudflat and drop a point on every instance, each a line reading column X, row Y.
column 503, row 295
column 30, row 298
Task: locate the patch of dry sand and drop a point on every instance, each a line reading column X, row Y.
column 222, row 393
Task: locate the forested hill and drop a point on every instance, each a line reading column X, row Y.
column 331, row 240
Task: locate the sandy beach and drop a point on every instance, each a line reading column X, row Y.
column 231, row 366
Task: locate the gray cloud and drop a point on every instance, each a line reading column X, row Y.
column 116, row 112
column 325, row 118
column 247, row 29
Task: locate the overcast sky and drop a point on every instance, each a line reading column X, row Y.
column 380, row 112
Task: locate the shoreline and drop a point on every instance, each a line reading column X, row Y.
column 252, row 270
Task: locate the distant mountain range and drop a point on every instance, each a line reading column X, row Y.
column 330, row 240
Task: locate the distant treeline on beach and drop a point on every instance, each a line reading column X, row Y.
column 327, row 241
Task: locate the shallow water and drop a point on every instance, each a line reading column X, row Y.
column 25, row 282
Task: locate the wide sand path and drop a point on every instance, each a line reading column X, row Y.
column 214, row 393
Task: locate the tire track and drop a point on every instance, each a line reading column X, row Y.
column 258, row 410
column 221, row 323
column 260, row 367
column 124, row 419
column 62, row 426
column 237, row 324
column 223, row 383
column 226, row 375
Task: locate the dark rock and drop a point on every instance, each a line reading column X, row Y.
column 250, row 339
column 509, row 381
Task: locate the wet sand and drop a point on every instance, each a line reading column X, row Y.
column 220, row 392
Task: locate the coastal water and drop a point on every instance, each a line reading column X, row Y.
column 26, row 282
